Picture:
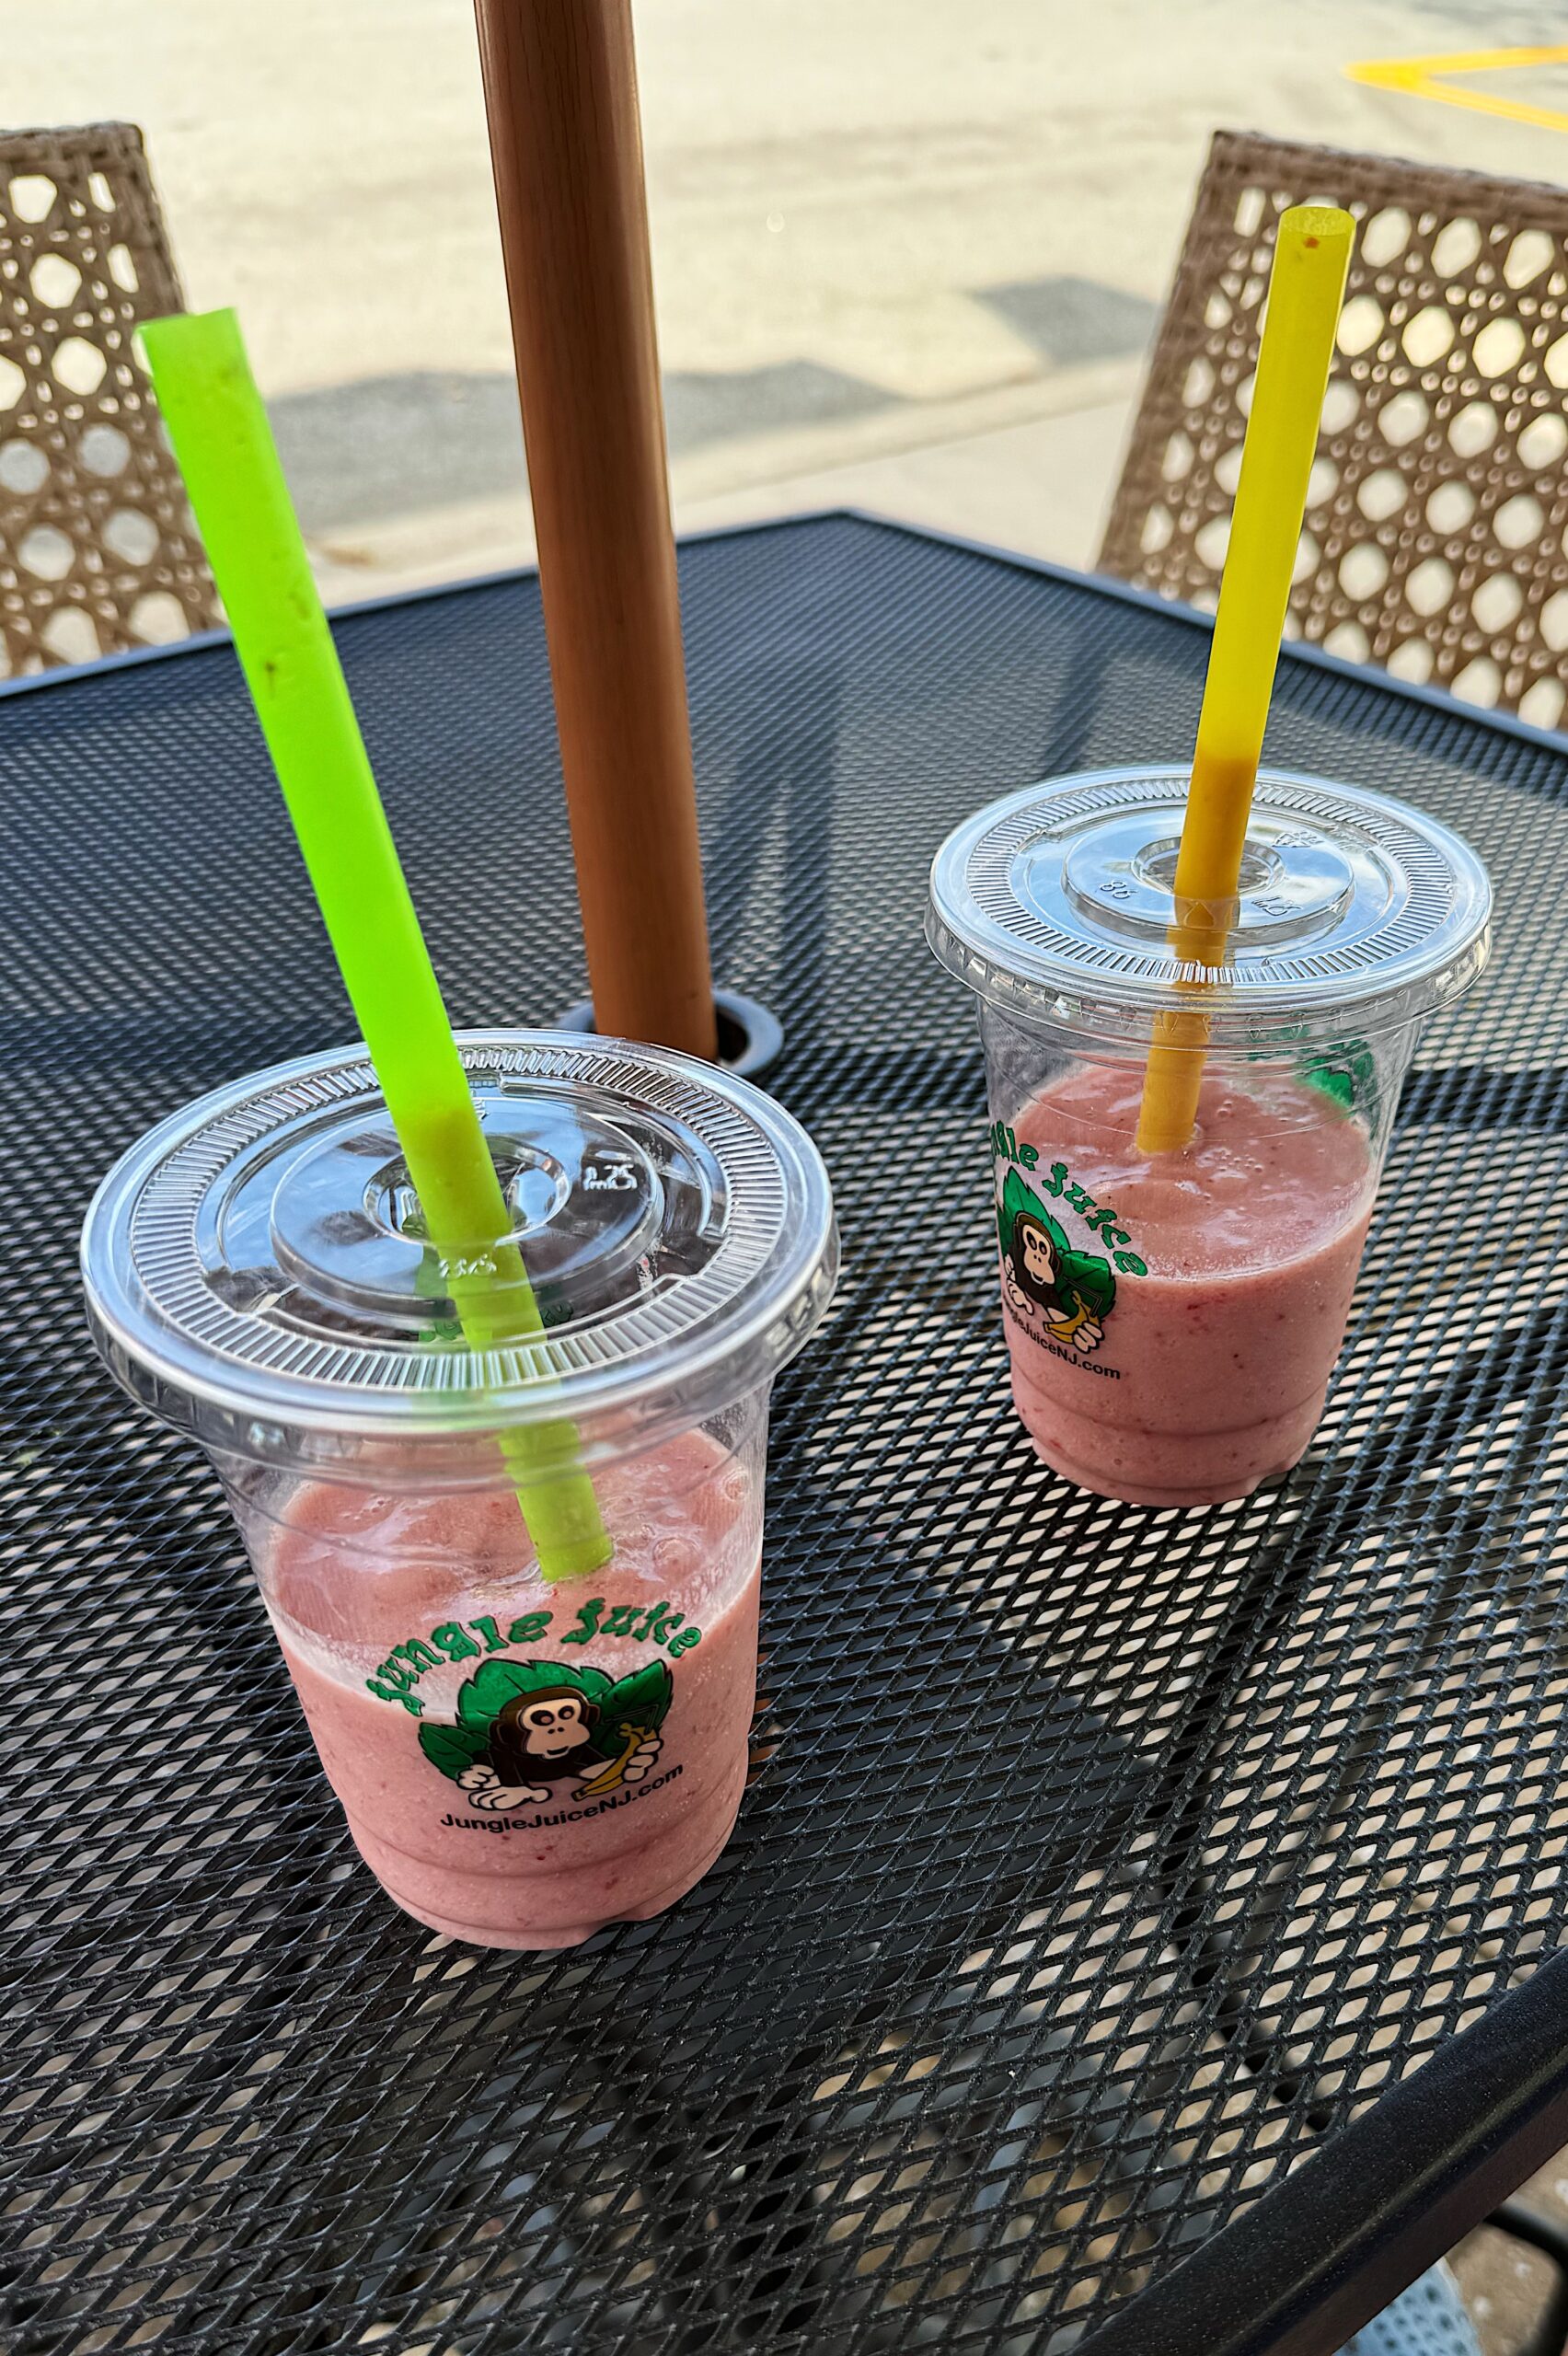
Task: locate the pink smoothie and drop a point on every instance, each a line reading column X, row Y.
column 1233, row 1264
column 521, row 1764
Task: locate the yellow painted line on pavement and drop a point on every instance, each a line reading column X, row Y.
column 1425, row 77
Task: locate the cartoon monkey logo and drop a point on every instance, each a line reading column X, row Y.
column 1068, row 1294
column 523, row 1728
column 540, row 1738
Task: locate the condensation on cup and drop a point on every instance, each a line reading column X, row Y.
column 1172, row 1320
column 521, row 1761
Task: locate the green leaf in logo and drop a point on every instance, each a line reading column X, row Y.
column 452, row 1747
column 1346, row 1070
column 640, row 1699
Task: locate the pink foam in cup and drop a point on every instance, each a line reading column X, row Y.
column 521, row 1761
column 1173, row 1320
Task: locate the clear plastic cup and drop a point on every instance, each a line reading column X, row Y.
column 521, row 1761
column 1172, row 1320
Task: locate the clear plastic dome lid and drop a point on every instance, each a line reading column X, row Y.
column 256, row 1270
column 1056, row 905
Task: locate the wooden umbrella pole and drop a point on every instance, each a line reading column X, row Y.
column 561, row 92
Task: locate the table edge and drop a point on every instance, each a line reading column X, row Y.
column 1318, row 2254
column 1103, row 584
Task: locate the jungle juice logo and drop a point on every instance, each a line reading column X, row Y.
column 1060, row 1294
column 544, row 1733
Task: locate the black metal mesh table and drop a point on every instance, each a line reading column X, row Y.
column 1105, row 1873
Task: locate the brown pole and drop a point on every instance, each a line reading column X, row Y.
column 561, row 92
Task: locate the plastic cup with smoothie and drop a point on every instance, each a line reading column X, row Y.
column 1173, row 1319
column 520, row 1760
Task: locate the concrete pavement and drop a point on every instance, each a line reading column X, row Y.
column 898, row 242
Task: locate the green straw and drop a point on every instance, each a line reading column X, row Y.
column 225, row 451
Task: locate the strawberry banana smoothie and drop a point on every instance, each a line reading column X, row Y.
column 1172, row 1322
column 1173, row 1319
column 520, row 1760
column 521, row 1764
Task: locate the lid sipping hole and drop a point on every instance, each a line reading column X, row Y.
column 1118, row 875
column 534, row 1188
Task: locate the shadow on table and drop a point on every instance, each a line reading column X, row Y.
column 688, row 2135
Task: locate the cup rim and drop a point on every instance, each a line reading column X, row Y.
column 1094, row 987
column 189, row 1371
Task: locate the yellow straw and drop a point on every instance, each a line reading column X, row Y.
column 1311, row 257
